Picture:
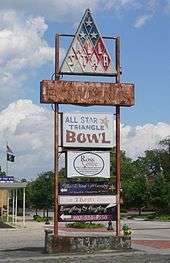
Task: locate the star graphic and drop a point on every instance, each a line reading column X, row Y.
column 105, row 121
column 82, row 35
column 93, row 35
column 88, row 22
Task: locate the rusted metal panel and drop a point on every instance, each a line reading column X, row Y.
column 86, row 93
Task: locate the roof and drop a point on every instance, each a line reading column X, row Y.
column 15, row 185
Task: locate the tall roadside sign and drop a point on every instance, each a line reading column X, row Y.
column 87, row 138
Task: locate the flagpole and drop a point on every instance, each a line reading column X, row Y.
column 6, row 160
column 6, row 168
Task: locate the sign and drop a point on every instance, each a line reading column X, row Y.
column 86, row 188
column 72, row 218
column 85, row 209
column 4, row 179
column 89, row 130
column 88, row 164
column 85, row 199
column 87, row 93
column 87, row 54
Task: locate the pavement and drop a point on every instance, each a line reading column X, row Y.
column 150, row 243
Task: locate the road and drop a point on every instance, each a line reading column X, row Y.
column 150, row 243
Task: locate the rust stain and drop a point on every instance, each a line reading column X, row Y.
column 86, row 93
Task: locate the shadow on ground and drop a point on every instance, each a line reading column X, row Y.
column 4, row 225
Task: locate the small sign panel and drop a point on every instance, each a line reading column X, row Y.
column 87, row 54
column 86, row 188
column 72, row 218
column 87, row 130
column 85, row 209
column 4, row 179
column 88, row 164
column 85, row 199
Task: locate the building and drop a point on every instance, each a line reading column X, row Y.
column 9, row 199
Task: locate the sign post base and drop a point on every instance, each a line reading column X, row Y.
column 86, row 243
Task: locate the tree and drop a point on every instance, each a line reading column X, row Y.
column 160, row 194
column 41, row 191
column 164, row 155
column 2, row 173
column 148, row 165
column 136, row 193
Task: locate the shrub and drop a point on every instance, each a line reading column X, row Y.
column 84, row 225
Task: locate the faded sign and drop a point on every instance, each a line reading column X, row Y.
column 72, row 218
column 87, row 199
column 85, row 209
column 87, row 53
column 6, row 179
column 87, row 93
column 87, row 130
column 86, row 188
column 88, row 164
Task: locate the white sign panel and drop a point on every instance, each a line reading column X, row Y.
column 86, row 199
column 90, row 130
column 88, row 164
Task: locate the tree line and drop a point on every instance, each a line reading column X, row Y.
column 145, row 182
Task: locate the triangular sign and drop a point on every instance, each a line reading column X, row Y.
column 87, row 54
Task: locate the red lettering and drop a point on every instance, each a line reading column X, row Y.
column 92, row 138
column 70, row 136
column 104, row 138
column 81, row 138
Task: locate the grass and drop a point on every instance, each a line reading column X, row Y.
column 149, row 216
column 84, row 225
column 158, row 217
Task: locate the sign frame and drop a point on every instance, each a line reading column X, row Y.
column 49, row 94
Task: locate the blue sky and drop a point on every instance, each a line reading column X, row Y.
column 27, row 31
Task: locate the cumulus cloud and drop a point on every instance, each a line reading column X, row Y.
column 136, row 140
column 28, row 128
column 167, row 6
column 21, row 41
column 22, row 49
column 56, row 10
column 142, row 20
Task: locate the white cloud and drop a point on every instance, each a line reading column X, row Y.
column 28, row 128
column 153, row 4
column 56, row 10
column 142, row 20
column 167, row 6
column 22, row 49
column 118, row 4
column 21, row 41
column 136, row 140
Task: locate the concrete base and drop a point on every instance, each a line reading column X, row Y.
column 85, row 243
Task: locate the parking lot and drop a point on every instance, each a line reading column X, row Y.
column 23, row 244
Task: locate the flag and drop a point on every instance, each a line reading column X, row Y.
column 10, row 154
